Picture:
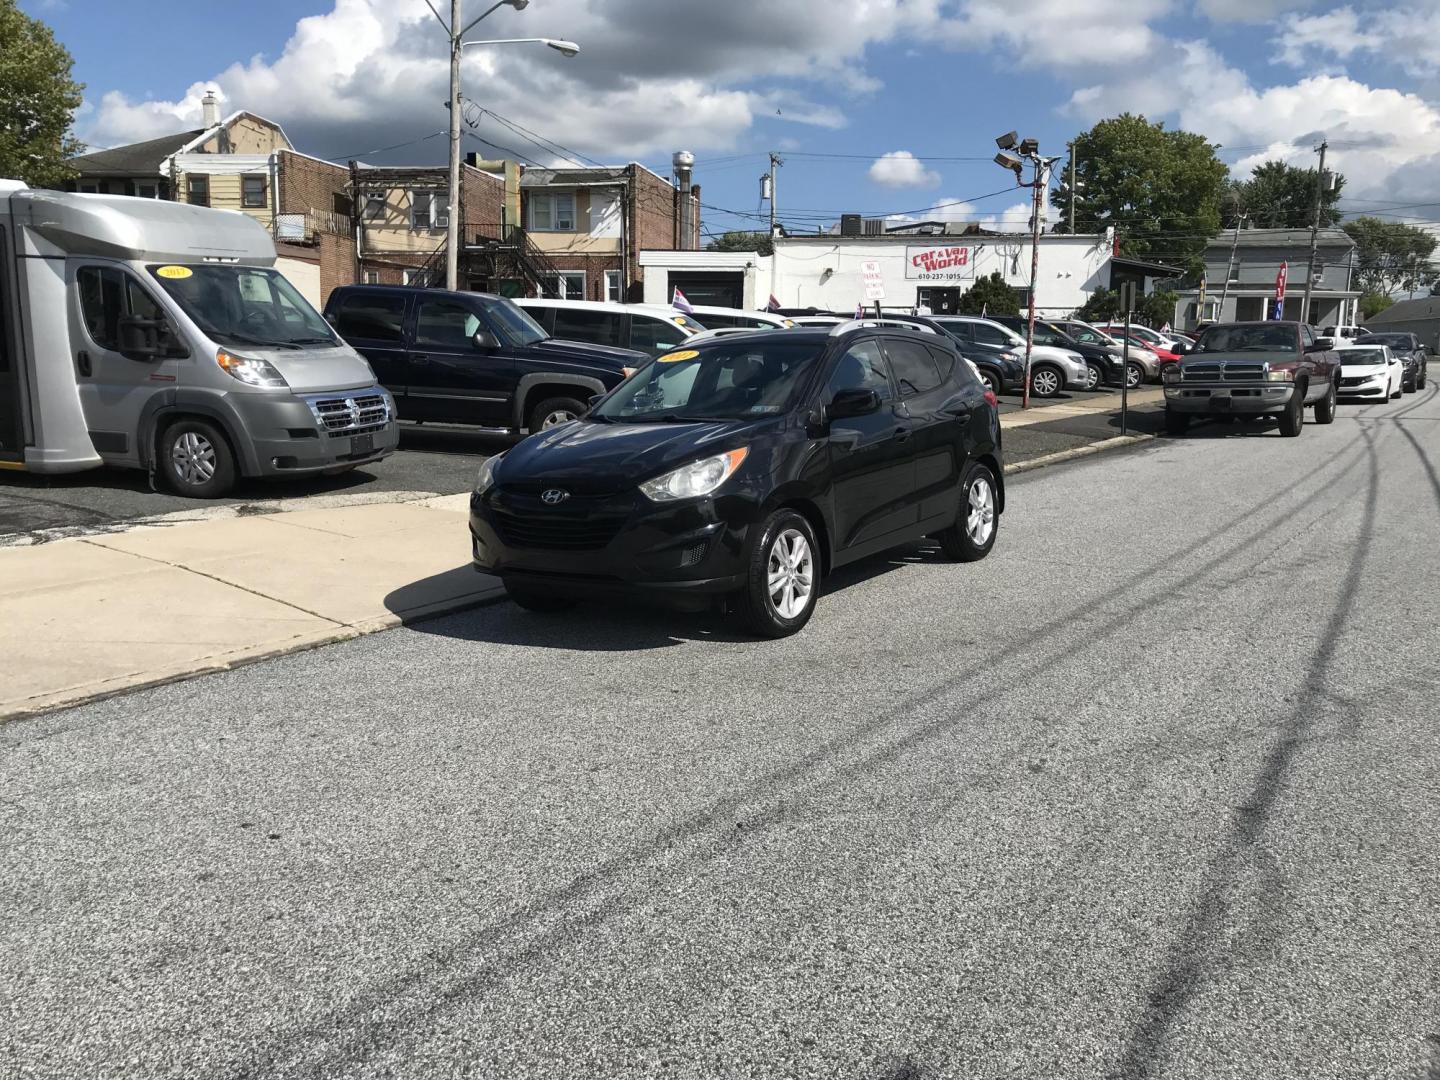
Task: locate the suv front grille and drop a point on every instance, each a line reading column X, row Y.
column 1244, row 371
column 555, row 532
column 350, row 414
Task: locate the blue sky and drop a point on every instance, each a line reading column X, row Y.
column 937, row 79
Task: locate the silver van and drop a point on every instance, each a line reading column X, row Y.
column 159, row 336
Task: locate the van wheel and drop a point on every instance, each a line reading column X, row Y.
column 555, row 411
column 1325, row 407
column 782, row 576
column 978, row 522
column 196, row 460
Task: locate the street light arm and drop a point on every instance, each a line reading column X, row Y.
column 516, row 4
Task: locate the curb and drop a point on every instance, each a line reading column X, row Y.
column 1100, row 447
column 69, row 699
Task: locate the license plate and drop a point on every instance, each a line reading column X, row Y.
column 362, row 444
column 1220, row 401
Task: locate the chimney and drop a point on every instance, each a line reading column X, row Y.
column 210, row 104
column 683, row 163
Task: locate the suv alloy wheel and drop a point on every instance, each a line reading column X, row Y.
column 783, row 576
column 978, row 523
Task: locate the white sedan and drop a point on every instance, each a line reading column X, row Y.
column 1369, row 371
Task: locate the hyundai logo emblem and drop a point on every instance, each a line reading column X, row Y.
column 554, row 497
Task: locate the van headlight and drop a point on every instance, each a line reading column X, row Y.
column 697, row 479
column 249, row 371
column 486, row 480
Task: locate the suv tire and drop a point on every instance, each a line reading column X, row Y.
column 537, row 599
column 1134, row 375
column 555, row 411
column 1176, row 423
column 978, row 522
column 1046, row 380
column 785, row 563
column 991, row 380
column 196, row 458
column 1325, row 407
column 1094, row 377
column 1293, row 418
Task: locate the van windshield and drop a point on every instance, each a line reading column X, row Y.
column 245, row 305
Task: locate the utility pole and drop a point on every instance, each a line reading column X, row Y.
column 452, row 230
column 1071, row 146
column 1036, row 204
column 1230, row 266
column 1314, row 234
column 775, row 163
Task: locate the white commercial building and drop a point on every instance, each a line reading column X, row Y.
column 828, row 272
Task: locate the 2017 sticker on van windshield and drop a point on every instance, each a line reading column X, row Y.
column 176, row 273
column 676, row 357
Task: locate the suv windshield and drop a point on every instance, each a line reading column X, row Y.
column 245, row 305
column 1395, row 341
column 1248, row 339
column 721, row 380
column 514, row 325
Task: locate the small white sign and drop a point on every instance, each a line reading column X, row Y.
column 874, row 279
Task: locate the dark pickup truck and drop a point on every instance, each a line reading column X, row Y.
column 1253, row 369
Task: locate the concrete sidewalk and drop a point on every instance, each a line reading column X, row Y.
column 81, row 619
column 97, row 615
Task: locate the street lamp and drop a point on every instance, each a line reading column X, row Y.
column 1029, row 149
column 457, row 33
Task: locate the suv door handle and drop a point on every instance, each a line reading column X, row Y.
column 419, row 358
column 82, row 361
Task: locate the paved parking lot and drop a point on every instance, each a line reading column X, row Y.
column 432, row 460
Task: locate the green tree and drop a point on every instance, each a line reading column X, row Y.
column 1281, row 196
column 38, row 100
column 1103, row 306
column 1161, row 190
column 742, row 240
column 1157, row 309
column 1390, row 255
column 1371, row 304
column 990, row 296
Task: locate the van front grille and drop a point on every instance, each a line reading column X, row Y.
column 350, row 414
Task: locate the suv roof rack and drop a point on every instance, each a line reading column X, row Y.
column 857, row 324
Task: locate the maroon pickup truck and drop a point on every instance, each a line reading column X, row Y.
column 1253, row 369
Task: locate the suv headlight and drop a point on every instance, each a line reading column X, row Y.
column 696, row 479
column 486, row 480
column 250, row 372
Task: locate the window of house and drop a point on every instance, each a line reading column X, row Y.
column 374, row 207
column 612, row 286
column 372, row 277
column 552, row 212
column 913, row 366
column 369, row 317
column 197, row 189
column 567, row 286
column 147, row 191
column 421, row 279
column 429, row 210
column 252, row 192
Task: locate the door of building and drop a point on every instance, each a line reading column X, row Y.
column 939, row 301
column 12, row 435
column 709, row 289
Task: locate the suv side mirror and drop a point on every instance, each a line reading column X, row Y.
column 485, row 340
column 853, row 402
column 140, row 338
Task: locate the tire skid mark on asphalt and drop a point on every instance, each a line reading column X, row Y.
column 353, row 1034
column 1200, row 942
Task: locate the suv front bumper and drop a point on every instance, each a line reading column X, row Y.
column 1220, row 399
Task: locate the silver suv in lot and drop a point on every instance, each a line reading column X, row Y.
column 1144, row 364
column 1051, row 370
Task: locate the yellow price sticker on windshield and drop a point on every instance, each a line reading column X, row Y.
column 676, row 357
column 175, row 273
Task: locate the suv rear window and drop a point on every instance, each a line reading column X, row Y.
column 369, row 317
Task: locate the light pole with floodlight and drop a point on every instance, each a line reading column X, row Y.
column 1029, row 150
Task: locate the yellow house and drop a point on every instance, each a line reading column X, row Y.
column 230, row 165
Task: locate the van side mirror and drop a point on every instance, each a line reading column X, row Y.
column 853, row 402
column 485, row 341
column 140, row 338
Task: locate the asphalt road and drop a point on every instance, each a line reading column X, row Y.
column 432, row 459
column 1151, row 792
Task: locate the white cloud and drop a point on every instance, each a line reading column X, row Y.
column 1341, row 33
column 1248, row 11
column 1406, row 38
column 1063, row 34
column 902, row 169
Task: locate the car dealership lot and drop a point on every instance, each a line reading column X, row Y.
column 1169, row 816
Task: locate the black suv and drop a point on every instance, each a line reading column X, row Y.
column 745, row 469
column 1106, row 366
column 472, row 358
column 1412, row 355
